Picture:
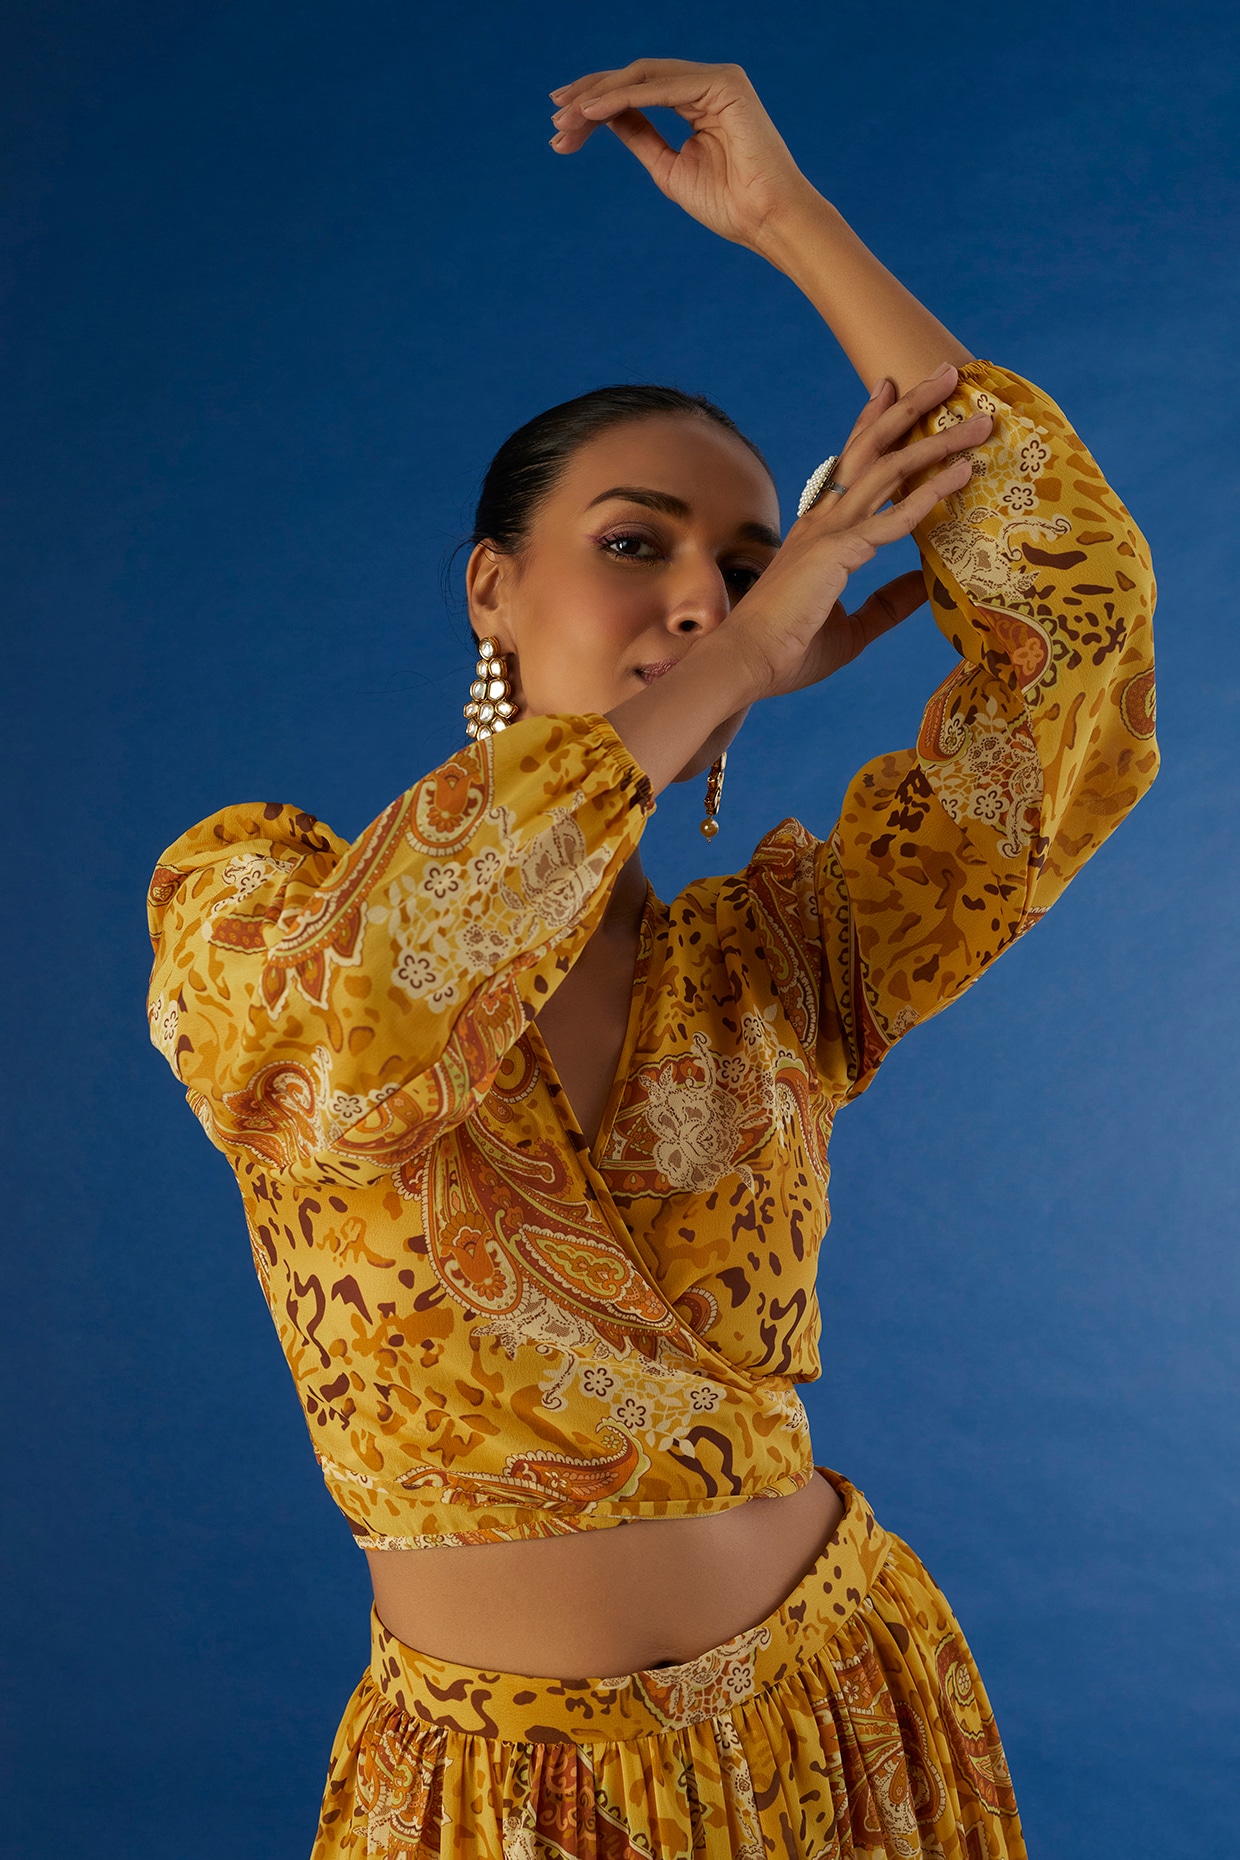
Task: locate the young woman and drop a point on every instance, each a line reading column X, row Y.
column 535, row 1164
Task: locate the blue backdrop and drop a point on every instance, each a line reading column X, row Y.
column 279, row 278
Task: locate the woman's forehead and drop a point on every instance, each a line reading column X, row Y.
column 681, row 455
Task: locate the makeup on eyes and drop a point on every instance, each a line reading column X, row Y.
column 667, row 504
column 631, row 533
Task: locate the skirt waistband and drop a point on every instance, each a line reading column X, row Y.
column 517, row 1709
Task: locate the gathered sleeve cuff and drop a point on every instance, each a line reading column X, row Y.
column 1030, row 752
column 331, row 1008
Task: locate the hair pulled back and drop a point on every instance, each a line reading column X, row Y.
column 530, row 461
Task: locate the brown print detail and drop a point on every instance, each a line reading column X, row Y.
column 1026, row 643
column 326, row 930
column 970, row 1730
column 447, row 806
column 166, row 881
column 1137, row 704
column 770, row 992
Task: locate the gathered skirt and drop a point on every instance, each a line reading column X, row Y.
column 850, row 1724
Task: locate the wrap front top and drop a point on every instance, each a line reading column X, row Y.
column 496, row 1329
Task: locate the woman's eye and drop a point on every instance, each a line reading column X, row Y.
column 741, row 577
column 635, row 546
column 628, row 546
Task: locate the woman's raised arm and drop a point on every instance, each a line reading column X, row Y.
column 1042, row 738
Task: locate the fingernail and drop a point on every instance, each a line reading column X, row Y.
column 948, row 368
column 555, row 95
column 878, row 388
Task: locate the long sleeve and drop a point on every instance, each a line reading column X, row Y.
column 331, row 1009
column 1029, row 754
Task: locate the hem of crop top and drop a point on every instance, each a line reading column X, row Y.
column 484, row 1523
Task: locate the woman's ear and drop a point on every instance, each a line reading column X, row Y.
column 487, row 579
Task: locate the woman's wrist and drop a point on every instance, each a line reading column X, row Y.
column 879, row 324
column 664, row 727
column 801, row 222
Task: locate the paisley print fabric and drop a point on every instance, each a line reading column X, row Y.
column 850, row 1723
column 496, row 1329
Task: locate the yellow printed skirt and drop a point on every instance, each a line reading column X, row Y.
column 850, row 1723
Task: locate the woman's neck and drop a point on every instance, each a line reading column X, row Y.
column 623, row 915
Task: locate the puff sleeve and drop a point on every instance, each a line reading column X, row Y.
column 1029, row 755
column 331, row 1009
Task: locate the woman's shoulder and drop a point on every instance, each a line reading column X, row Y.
column 259, row 835
column 273, row 822
column 783, row 861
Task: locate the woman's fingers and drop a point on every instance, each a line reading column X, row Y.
column 883, row 422
column 891, row 470
column 642, row 139
column 877, row 404
column 889, row 605
column 847, row 635
column 573, row 136
column 903, row 518
column 669, row 83
column 895, row 417
column 572, row 130
column 578, row 85
column 873, row 475
column 666, row 93
column 921, row 399
column 631, row 73
column 642, row 71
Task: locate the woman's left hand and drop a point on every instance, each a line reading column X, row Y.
column 734, row 173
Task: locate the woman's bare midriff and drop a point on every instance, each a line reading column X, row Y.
column 651, row 1592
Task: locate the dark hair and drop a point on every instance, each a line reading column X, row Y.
column 530, row 460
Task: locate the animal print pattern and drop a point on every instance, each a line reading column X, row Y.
column 498, row 1330
column 850, row 1725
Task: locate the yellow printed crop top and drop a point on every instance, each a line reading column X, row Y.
column 496, row 1331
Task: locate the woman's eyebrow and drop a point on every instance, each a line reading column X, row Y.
column 677, row 507
column 760, row 533
column 639, row 494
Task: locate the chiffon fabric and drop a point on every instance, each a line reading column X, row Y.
column 851, row 1722
column 498, row 1328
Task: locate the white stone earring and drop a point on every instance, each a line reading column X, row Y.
column 490, row 707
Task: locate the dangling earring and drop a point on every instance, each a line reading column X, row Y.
column 714, row 789
column 490, row 706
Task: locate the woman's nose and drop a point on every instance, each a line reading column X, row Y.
column 700, row 600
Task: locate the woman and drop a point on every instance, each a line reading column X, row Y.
column 535, row 1164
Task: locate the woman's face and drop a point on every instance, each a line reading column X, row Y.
column 651, row 535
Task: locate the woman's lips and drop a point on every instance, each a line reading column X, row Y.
column 651, row 672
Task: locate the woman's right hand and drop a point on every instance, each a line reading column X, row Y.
column 790, row 628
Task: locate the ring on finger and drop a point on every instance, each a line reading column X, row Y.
column 818, row 482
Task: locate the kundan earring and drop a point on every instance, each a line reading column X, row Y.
column 490, row 707
column 714, row 789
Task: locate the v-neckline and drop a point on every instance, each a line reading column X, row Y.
column 641, row 968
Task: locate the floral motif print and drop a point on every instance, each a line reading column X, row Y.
column 496, row 1329
column 850, row 1725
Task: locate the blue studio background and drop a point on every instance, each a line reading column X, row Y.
column 278, row 279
